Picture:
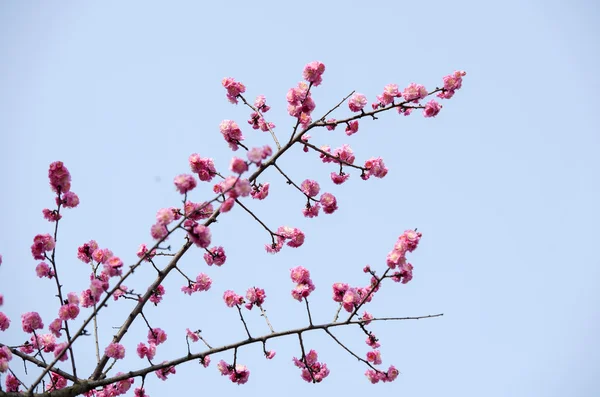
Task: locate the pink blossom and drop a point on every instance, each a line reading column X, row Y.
column 232, row 299
column 270, row 354
column 224, row 368
column 392, row 374
column 204, row 167
column 295, row 236
column 414, row 92
column 374, row 357
column 232, row 133
column 300, row 274
column 203, row 283
column 331, row 124
column 69, row 311
column 233, row 88
column 200, row 235
column 45, row 342
column 112, row 267
column 5, row 357
column 60, row 351
column 4, row 322
column 146, row 351
column 311, row 211
column 60, row 178
column 196, row 211
column 374, row 167
column 310, row 188
column 240, row 375
column 193, row 336
column 227, row 205
column 352, row 127
column 216, row 255
column 238, row 165
column 184, row 183
column 31, row 321
column 51, row 215
column 404, row 275
column 344, row 153
column 452, row 83
column 42, row 243
column 156, row 336
column 102, row 255
column 57, row 382
column 115, row 350
column 432, row 108
column 140, row 392
column 312, row 370
column 159, row 231
column 143, row 253
column 357, row 102
column 339, row 177
column 395, row 258
column 164, row 372
column 164, row 216
column 55, row 327
column 205, row 361
column 12, row 383
column 372, row 341
column 255, row 155
column 303, row 290
column 313, row 72
column 43, row 270
column 260, row 192
column 261, row 104
column 255, row 296
column 366, row 317
column 123, row 386
column 329, row 203
column 339, row 290
column 84, row 253
column 69, row 200
column 157, row 295
column 374, row 376
column 408, row 241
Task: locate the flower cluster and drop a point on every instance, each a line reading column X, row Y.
column 312, row 370
column 255, row 296
column 203, row 283
column 233, row 88
column 352, row 297
column 232, row 299
column 304, row 285
column 238, row 374
column 300, row 103
column 374, row 167
column 204, row 167
column 294, row 236
column 232, row 133
column 376, row 376
column 396, row 258
column 42, row 243
column 216, row 256
column 390, row 92
column 257, row 121
column 452, row 83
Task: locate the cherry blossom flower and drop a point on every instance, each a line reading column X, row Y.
column 432, row 108
column 232, row 133
column 42, row 243
column 216, row 255
column 233, row 88
column 31, row 321
column 115, row 350
column 313, row 72
column 60, row 178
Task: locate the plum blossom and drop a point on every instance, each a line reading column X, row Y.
column 432, row 108
column 233, row 88
column 312, row 370
column 146, row 351
column 60, row 178
column 357, row 102
column 352, row 127
column 184, row 183
column 329, row 203
column 310, row 188
column 261, row 191
column 42, row 243
column 115, row 350
column 313, row 72
column 204, row 167
column 200, row 235
column 216, row 255
column 31, row 321
column 374, row 167
column 414, row 92
column 232, row 299
column 232, row 133
column 255, row 296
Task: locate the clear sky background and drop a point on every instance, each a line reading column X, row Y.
column 503, row 183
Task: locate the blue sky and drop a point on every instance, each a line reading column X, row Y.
column 503, row 183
